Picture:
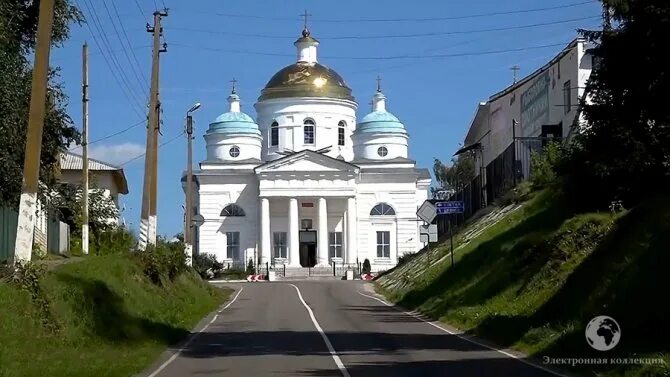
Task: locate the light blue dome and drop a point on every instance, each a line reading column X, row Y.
column 380, row 120
column 234, row 121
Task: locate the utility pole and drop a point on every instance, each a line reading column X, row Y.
column 515, row 69
column 188, row 225
column 84, row 144
column 25, row 229
column 148, row 213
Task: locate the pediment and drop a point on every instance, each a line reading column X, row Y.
column 306, row 161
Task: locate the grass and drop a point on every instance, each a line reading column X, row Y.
column 534, row 280
column 106, row 319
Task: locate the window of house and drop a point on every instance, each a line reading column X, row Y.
column 309, row 131
column 233, row 245
column 232, row 210
column 382, row 151
column 383, row 244
column 274, row 134
column 340, row 132
column 234, row 151
column 382, row 209
column 335, row 245
column 279, row 244
column 567, row 97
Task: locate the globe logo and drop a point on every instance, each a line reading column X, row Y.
column 603, row 333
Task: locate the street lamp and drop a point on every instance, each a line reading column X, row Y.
column 188, row 226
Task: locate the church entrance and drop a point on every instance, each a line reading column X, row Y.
column 308, row 248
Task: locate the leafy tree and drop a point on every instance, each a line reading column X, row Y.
column 102, row 212
column 459, row 174
column 18, row 26
column 624, row 151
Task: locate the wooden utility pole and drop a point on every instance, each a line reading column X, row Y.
column 84, row 144
column 25, row 229
column 148, row 214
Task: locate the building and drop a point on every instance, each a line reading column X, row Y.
column 523, row 117
column 308, row 183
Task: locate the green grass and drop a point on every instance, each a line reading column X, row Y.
column 110, row 319
column 534, row 280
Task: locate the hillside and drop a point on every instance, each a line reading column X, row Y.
column 533, row 278
column 97, row 317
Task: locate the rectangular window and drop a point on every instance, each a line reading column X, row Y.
column 274, row 136
column 567, row 97
column 384, row 244
column 279, row 244
column 233, row 245
column 309, row 134
column 335, row 244
column 340, row 136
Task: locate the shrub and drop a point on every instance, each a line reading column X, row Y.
column 250, row 267
column 543, row 165
column 206, row 265
column 113, row 241
column 165, row 261
column 232, row 273
column 366, row 266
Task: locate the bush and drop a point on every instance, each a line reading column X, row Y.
column 250, row 267
column 118, row 240
column 206, row 265
column 366, row 266
column 232, row 273
column 543, row 165
column 165, row 261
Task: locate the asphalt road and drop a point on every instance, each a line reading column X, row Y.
column 268, row 331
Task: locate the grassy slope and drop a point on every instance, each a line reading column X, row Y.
column 112, row 321
column 533, row 281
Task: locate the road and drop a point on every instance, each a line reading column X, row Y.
column 268, row 330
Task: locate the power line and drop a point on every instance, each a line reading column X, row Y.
column 359, row 20
column 161, row 145
column 112, row 135
column 121, row 83
column 142, row 12
column 123, row 29
column 393, row 57
column 415, row 35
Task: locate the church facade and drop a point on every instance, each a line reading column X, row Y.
column 308, row 183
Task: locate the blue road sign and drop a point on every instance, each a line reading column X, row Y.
column 456, row 206
column 446, row 211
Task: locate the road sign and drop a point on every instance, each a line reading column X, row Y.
column 430, row 231
column 198, row 219
column 427, row 212
column 443, row 208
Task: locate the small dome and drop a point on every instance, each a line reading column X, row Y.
column 234, row 121
column 380, row 120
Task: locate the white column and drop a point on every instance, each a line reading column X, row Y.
column 293, row 235
column 266, row 245
column 322, row 233
column 352, row 239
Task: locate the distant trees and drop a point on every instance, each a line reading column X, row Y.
column 455, row 176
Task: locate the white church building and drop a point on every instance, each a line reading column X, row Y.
column 308, row 183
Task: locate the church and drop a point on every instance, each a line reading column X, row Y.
column 308, row 183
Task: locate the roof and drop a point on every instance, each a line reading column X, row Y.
column 394, row 160
column 233, row 121
column 307, row 153
column 72, row 161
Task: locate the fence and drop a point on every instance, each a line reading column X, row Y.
column 57, row 237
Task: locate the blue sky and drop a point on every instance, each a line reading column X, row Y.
column 434, row 91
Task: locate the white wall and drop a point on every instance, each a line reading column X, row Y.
column 290, row 113
column 218, row 146
column 367, row 145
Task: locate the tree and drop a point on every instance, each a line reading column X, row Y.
column 624, row 151
column 454, row 177
column 102, row 211
column 18, row 26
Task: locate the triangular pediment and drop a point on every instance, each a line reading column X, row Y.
column 306, row 161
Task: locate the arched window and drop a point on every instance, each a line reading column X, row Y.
column 382, row 209
column 274, row 134
column 232, row 210
column 309, row 130
column 340, row 132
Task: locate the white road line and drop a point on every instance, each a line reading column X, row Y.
column 463, row 337
column 192, row 338
column 336, row 358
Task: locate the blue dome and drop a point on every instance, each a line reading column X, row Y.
column 380, row 121
column 234, row 122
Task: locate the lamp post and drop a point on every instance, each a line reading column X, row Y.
column 188, row 226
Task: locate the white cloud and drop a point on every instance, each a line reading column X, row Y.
column 115, row 154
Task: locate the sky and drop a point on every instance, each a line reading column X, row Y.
column 437, row 59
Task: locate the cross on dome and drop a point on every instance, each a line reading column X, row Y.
column 305, row 30
column 379, row 84
column 233, row 82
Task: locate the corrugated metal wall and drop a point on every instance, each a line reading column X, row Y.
column 8, row 222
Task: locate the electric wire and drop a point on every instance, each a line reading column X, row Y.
column 159, row 146
column 123, row 29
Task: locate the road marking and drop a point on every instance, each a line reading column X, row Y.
column 463, row 337
column 192, row 338
column 336, row 358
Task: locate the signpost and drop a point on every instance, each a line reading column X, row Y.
column 447, row 208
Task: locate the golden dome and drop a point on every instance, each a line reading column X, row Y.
column 303, row 79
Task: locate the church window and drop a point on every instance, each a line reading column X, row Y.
column 383, row 244
column 340, row 132
column 233, row 245
column 309, row 131
column 279, row 244
column 382, row 151
column 234, row 151
column 274, row 134
column 382, row 209
column 335, row 245
column 232, row 210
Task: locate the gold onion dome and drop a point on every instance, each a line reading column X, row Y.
column 306, row 79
